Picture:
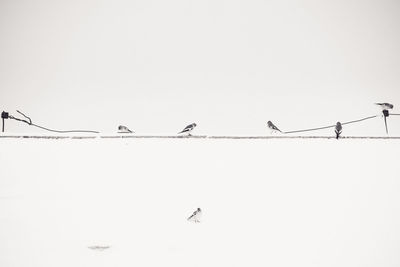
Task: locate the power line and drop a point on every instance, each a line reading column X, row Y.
column 68, row 131
column 28, row 121
column 363, row 119
column 330, row 126
column 309, row 130
column 45, row 128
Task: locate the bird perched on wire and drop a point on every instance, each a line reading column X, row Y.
column 188, row 129
column 385, row 106
column 385, row 110
column 196, row 216
column 338, row 129
column 273, row 127
column 124, row 129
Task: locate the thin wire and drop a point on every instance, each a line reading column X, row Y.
column 30, row 121
column 308, row 130
column 88, row 131
column 14, row 118
column 58, row 131
column 367, row 118
column 47, row 129
column 331, row 126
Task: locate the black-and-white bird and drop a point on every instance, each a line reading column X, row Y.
column 188, row 129
column 196, row 216
column 273, row 127
column 124, row 129
column 385, row 110
column 338, row 129
column 385, row 106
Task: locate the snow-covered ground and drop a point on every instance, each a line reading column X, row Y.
column 275, row 202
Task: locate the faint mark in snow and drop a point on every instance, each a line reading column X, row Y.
column 99, row 248
column 196, row 216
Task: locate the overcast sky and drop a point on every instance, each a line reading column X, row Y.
column 230, row 66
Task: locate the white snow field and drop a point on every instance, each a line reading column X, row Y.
column 274, row 202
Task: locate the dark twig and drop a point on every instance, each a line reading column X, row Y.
column 30, row 121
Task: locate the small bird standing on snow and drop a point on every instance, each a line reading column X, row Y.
column 385, row 106
column 188, row 129
column 124, row 129
column 273, row 127
column 196, row 216
column 338, row 129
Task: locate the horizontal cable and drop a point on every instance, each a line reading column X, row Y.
column 47, row 129
column 330, row 126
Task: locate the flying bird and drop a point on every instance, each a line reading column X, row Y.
column 338, row 129
column 196, row 216
column 385, row 106
column 124, row 129
column 273, row 127
column 188, row 129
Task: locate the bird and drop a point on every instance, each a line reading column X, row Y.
column 338, row 129
column 385, row 110
column 188, row 129
column 196, row 216
column 273, row 127
column 124, row 129
column 385, row 106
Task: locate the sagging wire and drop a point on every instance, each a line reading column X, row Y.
column 29, row 122
column 330, row 126
column 338, row 127
column 309, row 130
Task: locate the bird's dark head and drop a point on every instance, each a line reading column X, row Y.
column 269, row 123
column 198, row 209
column 194, row 124
column 338, row 124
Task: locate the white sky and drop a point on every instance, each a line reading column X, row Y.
column 229, row 66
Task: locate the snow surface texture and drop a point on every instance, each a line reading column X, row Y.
column 270, row 202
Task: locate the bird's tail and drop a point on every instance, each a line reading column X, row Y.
column 337, row 134
column 185, row 131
